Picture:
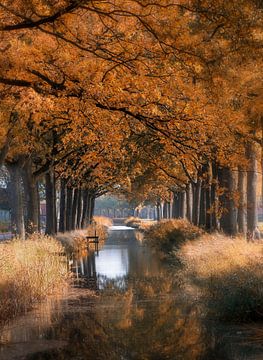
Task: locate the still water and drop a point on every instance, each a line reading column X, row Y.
column 138, row 312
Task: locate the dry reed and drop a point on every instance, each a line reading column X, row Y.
column 29, row 271
column 225, row 274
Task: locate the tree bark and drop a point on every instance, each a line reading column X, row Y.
column 182, row 196
column 16, row 197
column 74, row 208
column 85, row 209
column 196, row 202
column 251, row 191
column 62, row 206
column 189, row 202
column 51, row 214
column 31, row 198
column 214, row 197
column 69, row 191
column 79, row 210
column 228, row 219
column 158, row 213
column 202, row 217
column 241, row 214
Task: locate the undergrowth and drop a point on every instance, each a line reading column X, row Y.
column 222, row 273
column 30, row 271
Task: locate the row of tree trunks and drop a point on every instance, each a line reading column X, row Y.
column 76, row 207
column 221, row 199
column 24, row 197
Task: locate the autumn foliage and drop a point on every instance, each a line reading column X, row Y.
column 158, row 99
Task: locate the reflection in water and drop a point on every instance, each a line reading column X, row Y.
column 117, row 263
column 140, row 314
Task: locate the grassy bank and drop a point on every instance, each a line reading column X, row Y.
column 222, row 273
column 138, row 223
column 167, row 236
column 75, row 241
column 30, row 271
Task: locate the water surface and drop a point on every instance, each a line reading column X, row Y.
column 139, row 312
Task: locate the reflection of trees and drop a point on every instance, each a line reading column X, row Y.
column 86, row 336
column 156, row 325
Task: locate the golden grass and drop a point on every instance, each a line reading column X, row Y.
column 138, row 223
column 224, row 274
column 73, row 241
column 103, row 220
column 133, row 221
column 228, row 273
column 167, row 234
column 30, row 271
column 218, row 254
column 76, row 242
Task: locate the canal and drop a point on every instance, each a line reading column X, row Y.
column 126, row 304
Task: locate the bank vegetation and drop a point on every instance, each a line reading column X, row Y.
column 224, row 274
column 30, row 271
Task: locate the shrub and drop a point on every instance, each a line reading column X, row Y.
column 167, row 235
column 75, row 241
column 133, row 221
column 103, row 221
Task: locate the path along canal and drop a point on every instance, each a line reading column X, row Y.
column 139, row 312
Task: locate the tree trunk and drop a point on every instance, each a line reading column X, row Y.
column 91, row 209
column 158, row 213
column 189, row 202
column 79, row 209
column 182, row 197
column 251, row 191
column 176, row 206
column 62, row 206
column 228, row 219
column 74, row 208
column 51, row 214
column 214, row 197
column 31, row 198
column 165, row 210
column 69, row 208
column 209, row 209
column 196, row 201
column 241, row 214
column 85, row 209
column 16, row 197
column 202, row 217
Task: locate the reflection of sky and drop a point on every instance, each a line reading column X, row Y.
column 112, row 263
column 121, row 227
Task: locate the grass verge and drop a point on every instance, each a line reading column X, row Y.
column 30, row 271
column 223, row 274
column 167, row 235
column 75, row 241
column 137, row 223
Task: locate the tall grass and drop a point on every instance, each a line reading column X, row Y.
column 29, row 271
column 103, row 221
column 76, row 242
column 133, row 221
column 138, row 223
column 166, row 235
column 225, row 274
column 229, row 275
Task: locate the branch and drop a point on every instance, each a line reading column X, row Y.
column 29, row 24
